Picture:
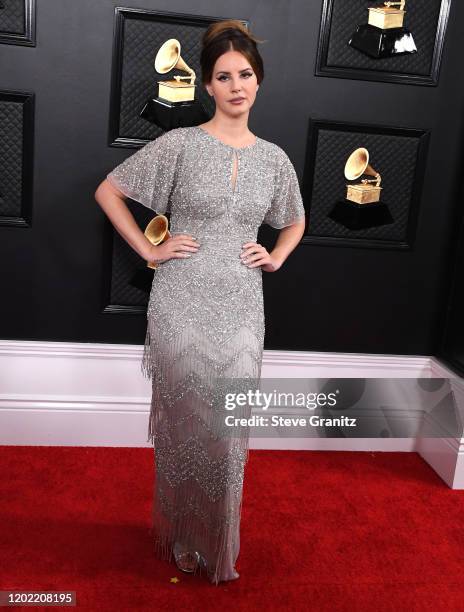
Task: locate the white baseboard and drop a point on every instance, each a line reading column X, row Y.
column 83, row 394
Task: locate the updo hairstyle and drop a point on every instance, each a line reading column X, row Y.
column 229, row 35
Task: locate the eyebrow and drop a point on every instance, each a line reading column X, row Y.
column 225, row 71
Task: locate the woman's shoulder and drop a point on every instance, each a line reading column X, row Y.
column 275, row 153
column 174, row 136
column 167, row 143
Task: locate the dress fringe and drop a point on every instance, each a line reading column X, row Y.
column 188, row 531
column 147, row 367
column 189, row 436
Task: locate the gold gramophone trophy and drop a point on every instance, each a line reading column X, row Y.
column 175, row 105
column 168, row 58
column 362, row 207
column 364, row 192
column 157, row 232
column 384, row 35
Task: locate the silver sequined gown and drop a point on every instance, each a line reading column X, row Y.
column 205, row 319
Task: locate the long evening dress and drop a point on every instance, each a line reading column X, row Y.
column 205, row 319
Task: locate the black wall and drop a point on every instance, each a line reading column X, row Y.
column 325, row 298
column 451, row 350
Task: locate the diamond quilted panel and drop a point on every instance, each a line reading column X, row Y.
column 421, row 19
column 142, row 39
column 125, row 262
column 12, row 17
column 11, row 154
column 394, row 157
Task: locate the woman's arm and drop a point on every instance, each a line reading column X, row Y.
column 256, row 255
column 112, row 201
column 289, row 237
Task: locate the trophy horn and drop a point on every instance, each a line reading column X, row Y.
column 168, row 58
column 357, row 164
column 157, row 232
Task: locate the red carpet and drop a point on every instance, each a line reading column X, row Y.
column 320, row 531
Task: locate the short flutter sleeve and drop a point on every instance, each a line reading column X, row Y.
column 148, row 175
column 287, row 204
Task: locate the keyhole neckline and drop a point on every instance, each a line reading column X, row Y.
column 250, row 146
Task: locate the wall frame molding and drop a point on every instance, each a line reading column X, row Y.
column 28, row 36
column 323, row 68
column 131, row 88
column 371, row 238
column 17, row 148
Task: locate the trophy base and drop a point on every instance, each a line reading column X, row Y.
column 360, row 216
column 143, row 279
column 377, row 43
column 169, row 115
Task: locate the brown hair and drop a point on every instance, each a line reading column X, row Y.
column 228, row 35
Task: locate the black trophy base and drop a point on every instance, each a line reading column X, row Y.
column 143, row 279
column 360, row 216
column 377, row 43
column 169, row 115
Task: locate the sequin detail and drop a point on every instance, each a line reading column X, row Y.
column 205, row 319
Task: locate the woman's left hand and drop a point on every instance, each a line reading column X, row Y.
column 254, row 255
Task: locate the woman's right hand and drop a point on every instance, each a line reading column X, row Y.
column 175, row 247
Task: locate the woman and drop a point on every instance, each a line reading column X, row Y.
column 205, row 314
